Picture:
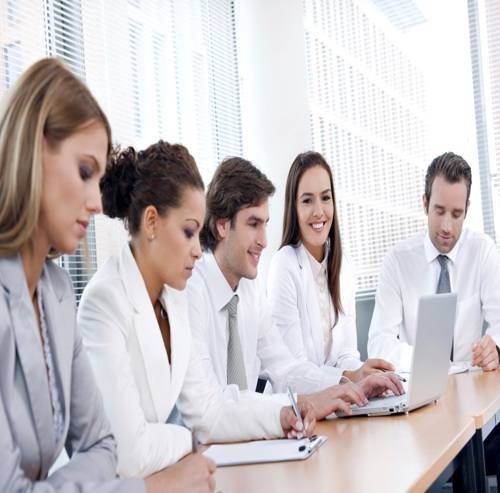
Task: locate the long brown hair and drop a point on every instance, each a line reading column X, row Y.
column 291, row 229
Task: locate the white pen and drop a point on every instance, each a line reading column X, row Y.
column 295, row 408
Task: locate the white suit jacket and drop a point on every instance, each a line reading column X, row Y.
column 295, row 309
column 27, row 445
column 139, row 386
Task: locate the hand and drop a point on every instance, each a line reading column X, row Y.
column 370, row 366
column 291, row 424
column 336, row 397
column 380, row 383
column 485, row 353
column 192, row 474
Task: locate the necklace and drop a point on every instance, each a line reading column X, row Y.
column 163, row 313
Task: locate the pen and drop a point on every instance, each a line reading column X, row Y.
column 403, row 379
column 194, row 440
column 295, row 408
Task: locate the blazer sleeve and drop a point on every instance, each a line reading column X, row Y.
column 89, row 443
column 92, row 467
column 144, row 447
column 224, row 420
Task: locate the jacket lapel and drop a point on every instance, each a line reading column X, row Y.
column 30, row 356
column 60, row 314
column 312, row 305
column 154, row 355
column 180, row 338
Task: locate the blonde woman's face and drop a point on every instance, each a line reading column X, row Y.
column 70, row 187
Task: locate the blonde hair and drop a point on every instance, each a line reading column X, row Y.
column 49, row 101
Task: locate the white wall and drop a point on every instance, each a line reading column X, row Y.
column 274, row 98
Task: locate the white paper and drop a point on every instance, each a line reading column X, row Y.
column 264, row 451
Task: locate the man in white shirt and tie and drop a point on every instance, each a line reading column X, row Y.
column 443, row 258
column 232, row 328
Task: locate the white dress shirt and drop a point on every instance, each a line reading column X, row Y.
column 264, row 352
column 411, row 270
column 296, row 309
column 141, row 388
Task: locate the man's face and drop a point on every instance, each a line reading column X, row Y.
column 240, row 247
column 446, row 212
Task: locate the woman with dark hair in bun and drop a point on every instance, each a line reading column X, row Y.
column 134, row 320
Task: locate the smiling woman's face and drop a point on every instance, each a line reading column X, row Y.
column 314, row 203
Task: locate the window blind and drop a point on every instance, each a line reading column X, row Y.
column 160, row 69
column 374, row 93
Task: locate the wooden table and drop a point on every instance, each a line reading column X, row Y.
column 367, row 454
column 475, row 394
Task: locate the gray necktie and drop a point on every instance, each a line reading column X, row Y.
column 443, row 285
column 235, row 365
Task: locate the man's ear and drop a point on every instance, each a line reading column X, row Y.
column 467, row 208
column 223, row 226
column 425, row 204
column 149, row 221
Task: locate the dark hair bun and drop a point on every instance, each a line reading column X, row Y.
column 118, row 183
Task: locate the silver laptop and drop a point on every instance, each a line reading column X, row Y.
column 431, row 356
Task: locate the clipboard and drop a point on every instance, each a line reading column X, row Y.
column 264, row 451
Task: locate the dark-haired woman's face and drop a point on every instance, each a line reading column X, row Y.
column 315, row 210
column 178, row 237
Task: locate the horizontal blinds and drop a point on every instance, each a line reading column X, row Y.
column 160, row 69
column 373, row 106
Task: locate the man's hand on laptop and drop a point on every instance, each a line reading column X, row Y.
column 378, row 384
column 485, row 354
column 372, row 365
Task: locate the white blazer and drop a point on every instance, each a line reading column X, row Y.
column 294, row 306
column 140, row 387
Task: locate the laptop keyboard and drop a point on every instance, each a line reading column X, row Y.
column 383, row 401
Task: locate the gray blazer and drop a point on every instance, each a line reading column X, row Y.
column 27, row 445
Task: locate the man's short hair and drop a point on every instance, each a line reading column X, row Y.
column 236, row 184
column 452, row 168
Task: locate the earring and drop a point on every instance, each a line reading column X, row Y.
column 153, row 236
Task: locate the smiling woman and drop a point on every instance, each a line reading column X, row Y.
column 311, row 282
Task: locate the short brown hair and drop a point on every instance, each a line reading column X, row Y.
column 452, row 168
column 236, row 184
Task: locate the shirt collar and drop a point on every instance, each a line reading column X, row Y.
column 431, row 252
column 317, row 268
column 220, row 289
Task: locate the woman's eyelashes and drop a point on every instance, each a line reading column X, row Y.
column 189, row 233
column 85, row 171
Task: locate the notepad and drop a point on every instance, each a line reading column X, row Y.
column 264, row 451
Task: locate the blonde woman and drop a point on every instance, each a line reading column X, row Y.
column 54, row 145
